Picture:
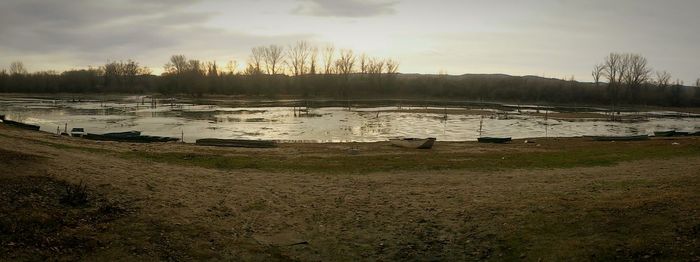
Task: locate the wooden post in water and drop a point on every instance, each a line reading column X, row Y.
column 546, row 124
column 481, row 124
column 65, row 128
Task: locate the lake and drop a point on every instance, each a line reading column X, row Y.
column 323, row 122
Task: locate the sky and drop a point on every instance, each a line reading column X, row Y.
column 551, row 38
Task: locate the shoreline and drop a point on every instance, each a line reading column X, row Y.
column 417, row 102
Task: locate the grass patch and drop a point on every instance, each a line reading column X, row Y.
column 70, row 147
column 605, row 155
column 608, row 230
column 59, row 145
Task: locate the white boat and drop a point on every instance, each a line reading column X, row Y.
column 419, row 143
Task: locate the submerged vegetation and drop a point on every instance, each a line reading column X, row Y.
column 306, row 71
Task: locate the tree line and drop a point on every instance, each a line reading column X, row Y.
column 630, row 80
column 306, row 71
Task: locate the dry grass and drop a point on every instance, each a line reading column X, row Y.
column 567, row 199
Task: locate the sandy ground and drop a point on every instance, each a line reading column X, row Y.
column 188, row 212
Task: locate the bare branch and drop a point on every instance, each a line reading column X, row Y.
column 392, row 66
column 298, row 57
column 328, row 53
column 345, row 64
column 17, row 68
column 272, row 55
column 663, row 79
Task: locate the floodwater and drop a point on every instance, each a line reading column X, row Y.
column 277, row 120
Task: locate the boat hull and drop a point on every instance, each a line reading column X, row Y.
column 495, row 140
column 417, row 143
column 21, row 125
column 132, row 136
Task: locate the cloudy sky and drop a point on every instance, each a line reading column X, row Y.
column 553, row 38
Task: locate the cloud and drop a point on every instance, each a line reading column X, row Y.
column 347, row 8
column 84, row 32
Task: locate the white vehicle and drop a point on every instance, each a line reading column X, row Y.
column 78, row 132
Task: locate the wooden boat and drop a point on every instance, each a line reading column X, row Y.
column 131, row 136
column 21, row 125
column 496, row 140
column 419, row 143
column 620, row 138
column 236, row 143
column 665, row 133
column 123, row 134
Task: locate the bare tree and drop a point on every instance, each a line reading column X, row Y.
column 636, row 74
column 612, row 68
column 616, row 69
column 345, row 64
column 328, row 54
column 375, row 66
column 364, row 63
column 663, row 79
column 597, row 73
column 272, row 56
column 250, row 69
column 637, row 71
column 313, row 61
column 231, row 66
column 195, row 66
column 298, row 56
column 17, row 68
column 257, row 56
column 177, row 65
column 392, row 66
column 212, row 69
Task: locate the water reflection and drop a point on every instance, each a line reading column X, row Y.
column 336, row 124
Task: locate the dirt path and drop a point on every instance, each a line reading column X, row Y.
column 630, row 210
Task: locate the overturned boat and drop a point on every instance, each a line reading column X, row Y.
column 494, row 140
column 20, row 124
column 419, row 143
column 667, row 133
column 129, row 136
column 236, row 143
column 671, row 133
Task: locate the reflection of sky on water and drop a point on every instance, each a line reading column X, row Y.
column 315, row 124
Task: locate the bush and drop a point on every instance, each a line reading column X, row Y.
column 75, row 195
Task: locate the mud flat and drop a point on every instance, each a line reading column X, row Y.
column 555, row 199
